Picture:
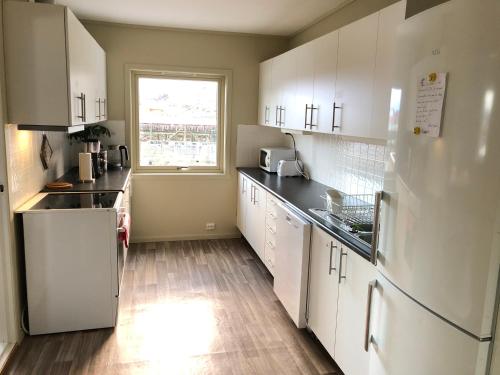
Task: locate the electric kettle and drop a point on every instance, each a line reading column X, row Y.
column 117, row 156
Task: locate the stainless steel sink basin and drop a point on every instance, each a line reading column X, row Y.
column 366, row 237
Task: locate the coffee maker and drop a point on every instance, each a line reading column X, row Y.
column 93, row 146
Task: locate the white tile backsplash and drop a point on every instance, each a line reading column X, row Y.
column 348, row 165
column 26, row 174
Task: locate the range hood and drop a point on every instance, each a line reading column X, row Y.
column 52, row 128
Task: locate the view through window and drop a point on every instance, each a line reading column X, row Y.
column 178, row 122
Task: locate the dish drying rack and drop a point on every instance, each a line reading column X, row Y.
column 352, row 209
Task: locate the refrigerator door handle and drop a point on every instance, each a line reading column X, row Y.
column 379, row 195
column 372, row 285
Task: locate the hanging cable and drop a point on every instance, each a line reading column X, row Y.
column 298, row 164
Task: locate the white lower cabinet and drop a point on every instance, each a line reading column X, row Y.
column 241, row 211
column 323, row 288
column 355, row 276
column 251, row 214
column 337, row 302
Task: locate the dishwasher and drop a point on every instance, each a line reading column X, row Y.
column 293, row 235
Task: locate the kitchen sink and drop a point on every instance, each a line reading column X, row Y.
column 365, row 237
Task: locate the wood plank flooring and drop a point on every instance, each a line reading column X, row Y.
column 187, row 307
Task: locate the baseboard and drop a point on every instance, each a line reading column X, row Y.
column 186, row 237
column 7, row 356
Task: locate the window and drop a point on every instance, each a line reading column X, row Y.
column 179, row 122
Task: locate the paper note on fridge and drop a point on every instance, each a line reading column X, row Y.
column 431, row 90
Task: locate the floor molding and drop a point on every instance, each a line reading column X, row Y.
column 187, row 237
column 7, row 356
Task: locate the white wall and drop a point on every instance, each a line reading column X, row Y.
column 175, row 207
column 26, row 174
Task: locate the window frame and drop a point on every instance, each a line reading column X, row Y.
column 223, row 77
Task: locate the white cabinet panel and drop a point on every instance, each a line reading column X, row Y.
column 81, row 66
column 390, row 18
column 323, row 288
column 284, row 89
column 355, row 275
column 408, row 339
column 266, row 101
column 256, row 215
column 325, row 76
column 305, row 55
column 355, row 71
column 241, row 213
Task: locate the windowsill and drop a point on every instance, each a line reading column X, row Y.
column 142, row 175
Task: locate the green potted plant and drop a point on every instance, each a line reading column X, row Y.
column 89, row 133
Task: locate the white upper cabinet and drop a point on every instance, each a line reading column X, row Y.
column 265, row 93
column 338, row 83
column 390, row 18
column 355, row 72
column 325, row 76
column 284, row 89
column 47, row 50
column 304, row 85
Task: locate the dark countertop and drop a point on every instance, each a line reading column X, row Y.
column 112, row 180
column 301, row 195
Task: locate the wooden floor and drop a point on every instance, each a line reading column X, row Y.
column 189, row 307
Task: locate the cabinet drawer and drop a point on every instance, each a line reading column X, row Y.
column 271, row 204
column 270, row 226
column 269, row 257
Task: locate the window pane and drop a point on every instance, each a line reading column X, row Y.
column 178, row 122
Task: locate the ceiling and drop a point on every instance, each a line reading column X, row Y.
column 271, row 17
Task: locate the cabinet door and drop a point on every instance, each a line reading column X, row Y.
column 284, row 90
column 325, row 76
column 355, row 275
column 355, row 70
column 305, row 56
column 80, row 72
column 390, row 18
column 256, row 218
column 243, row 201
column 323, row 288
column 408, row 339
column 100, row 84
column 266, row 93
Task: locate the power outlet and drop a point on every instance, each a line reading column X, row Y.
column 210, row 226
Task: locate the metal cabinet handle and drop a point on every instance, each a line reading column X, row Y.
column 342, row 254
column 379, row 195
column 255, row 191
column 98, row 114
column 330, row 268
column 266, row 114
column 83, row 107
column 335, row 107
column 305, row 119
column 244, row 186
column 104, row 111
column 270, row 229
column 372, row 285
column 276, row 123
column 312, row 108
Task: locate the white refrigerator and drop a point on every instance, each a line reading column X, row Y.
column 433, row 306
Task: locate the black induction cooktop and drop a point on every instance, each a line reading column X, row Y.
column 76, row 200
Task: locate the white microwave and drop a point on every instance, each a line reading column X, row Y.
column 270, row 156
